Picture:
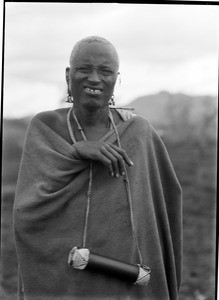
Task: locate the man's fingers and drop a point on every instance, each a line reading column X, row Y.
column 107, row 162
column 119, row 160
column 123, row 153
column 106, row 151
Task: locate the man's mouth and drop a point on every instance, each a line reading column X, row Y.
column 93, row 91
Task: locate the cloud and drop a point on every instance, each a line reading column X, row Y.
column 195, row 77
column 169, row 34
column 156, row 32
column 23, row 99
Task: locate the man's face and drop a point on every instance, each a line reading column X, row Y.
column 93, row 74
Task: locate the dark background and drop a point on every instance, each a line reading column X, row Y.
column 188, row 127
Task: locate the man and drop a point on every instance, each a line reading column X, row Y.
column 100, row 178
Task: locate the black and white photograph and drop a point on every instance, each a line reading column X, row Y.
column 109, row 151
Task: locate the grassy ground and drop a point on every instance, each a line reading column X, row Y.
column 195, row 168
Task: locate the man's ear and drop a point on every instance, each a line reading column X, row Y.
column 67, row 75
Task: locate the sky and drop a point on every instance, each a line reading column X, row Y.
column 168, row 47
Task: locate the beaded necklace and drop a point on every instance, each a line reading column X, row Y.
column 89, row 192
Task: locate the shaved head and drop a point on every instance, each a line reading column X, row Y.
column 90, row 40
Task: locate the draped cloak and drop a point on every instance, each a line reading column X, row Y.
column 49, row 216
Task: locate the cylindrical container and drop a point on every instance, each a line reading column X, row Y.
column 81, row 258
column 113, row 266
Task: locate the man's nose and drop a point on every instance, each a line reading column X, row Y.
column 94, row 75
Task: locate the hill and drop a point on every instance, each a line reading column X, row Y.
column 178, row 116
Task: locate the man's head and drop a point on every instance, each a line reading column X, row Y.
column 93, row 72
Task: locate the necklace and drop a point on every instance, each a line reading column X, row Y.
column 89, row 192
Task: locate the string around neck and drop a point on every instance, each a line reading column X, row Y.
column 89, row 192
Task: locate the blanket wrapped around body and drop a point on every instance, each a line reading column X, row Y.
column 49, row 214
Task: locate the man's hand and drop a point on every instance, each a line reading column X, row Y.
column 108, row 154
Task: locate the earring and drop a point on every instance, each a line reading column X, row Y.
column 69, row 98
column 111, row 101
column 119, row 76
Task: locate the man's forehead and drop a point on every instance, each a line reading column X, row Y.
column 94, row 47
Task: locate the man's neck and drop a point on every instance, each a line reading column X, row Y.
column 92, row 118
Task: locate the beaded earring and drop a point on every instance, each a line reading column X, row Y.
column 111, row 101
column 69, row 99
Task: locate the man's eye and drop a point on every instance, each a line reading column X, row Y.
column 103, row 71
column 83, row 69
column 106, row 71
